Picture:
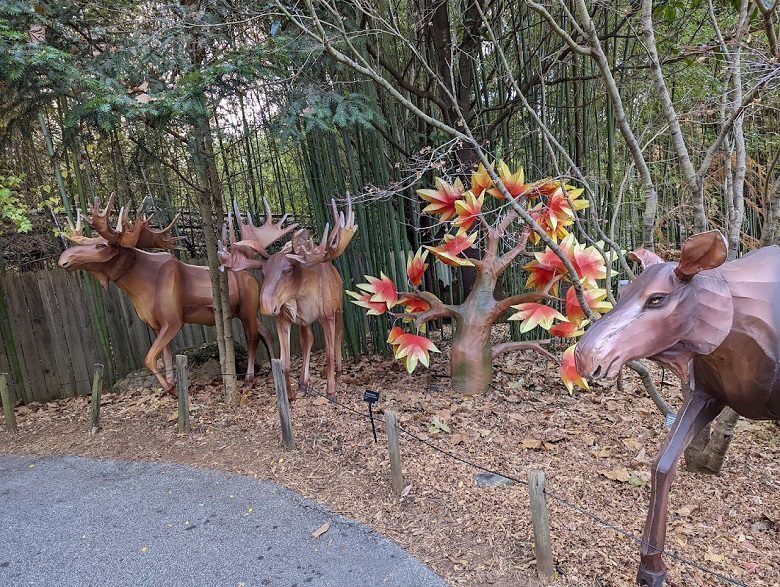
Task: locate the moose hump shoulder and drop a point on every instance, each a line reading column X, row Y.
column 744, row 371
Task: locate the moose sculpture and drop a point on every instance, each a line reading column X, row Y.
column 300, row 286
column 717, row 326
column 165, row 292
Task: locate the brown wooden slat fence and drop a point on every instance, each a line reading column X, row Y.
column 55, row 321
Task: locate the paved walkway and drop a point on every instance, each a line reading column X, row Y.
column 73, row 522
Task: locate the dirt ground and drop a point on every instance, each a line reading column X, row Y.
column 595, row 448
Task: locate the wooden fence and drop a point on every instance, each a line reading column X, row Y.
column 56, row 319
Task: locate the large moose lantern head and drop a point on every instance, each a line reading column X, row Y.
column 300, row 284
column 717, row 325
column 670, row 313
column 165, row 292
column 110, row 254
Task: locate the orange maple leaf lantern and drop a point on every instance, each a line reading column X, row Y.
column 414, row 348
column 569, row 373
column 480, row 181
column 416, row 266
column 413, row 303
column 513, row 182
column 568, row 329
column 381, row 288
column 468, row 210
column 552, row 262
column 589, row 264
column 453, row 245
column 542, row 278
column 596, row 300
column 533, row 314
column 395, row 333
column 557, row 209
column 442, row 200
column 550, row 224
column 364, row 301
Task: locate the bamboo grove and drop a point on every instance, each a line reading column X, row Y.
column 160, row 103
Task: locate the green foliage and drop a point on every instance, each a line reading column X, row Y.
column 327, row 111
column 12, row 209
column 143, row 75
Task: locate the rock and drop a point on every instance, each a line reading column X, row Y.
column 492, row 480
column 205, row 352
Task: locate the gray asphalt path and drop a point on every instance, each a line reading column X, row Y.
column 75, row 522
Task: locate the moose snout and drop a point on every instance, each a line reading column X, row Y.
column 593, row 363
column 64, row 260
column 269, row 306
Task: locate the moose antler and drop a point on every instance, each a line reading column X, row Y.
column 140, row 235
column 263, row 236
column 100, row 221
column 129, row 234
column 75, row 235
column 330, row 247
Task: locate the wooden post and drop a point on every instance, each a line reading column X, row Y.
column 182, row 385
column 284, row 404
column 396, row 475
column 97, row 390
column 540, row 516
column 8, row 403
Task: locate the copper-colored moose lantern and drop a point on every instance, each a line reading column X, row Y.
column 300, row 285
column 717, row 323
column 165, row 292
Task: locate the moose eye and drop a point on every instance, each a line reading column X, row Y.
column 655, row 301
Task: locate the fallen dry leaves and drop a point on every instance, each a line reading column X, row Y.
column 595, row 449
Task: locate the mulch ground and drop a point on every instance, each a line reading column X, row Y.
column 595, row 448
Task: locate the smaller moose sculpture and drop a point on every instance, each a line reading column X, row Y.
column 166, row 293
column 718, row 323
column 300, row 286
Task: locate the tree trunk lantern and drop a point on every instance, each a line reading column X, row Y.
column 553, row 205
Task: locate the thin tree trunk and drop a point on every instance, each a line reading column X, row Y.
column 737, row 212
column 714, row 454
column 210, row 199
column 770, row 231
column 678, row 140
column 597, row 52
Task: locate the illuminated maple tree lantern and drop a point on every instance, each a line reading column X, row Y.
column 554, row 205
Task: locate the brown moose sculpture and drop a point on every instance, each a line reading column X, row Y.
column 300, row 286
column 166, row 293
column 717, row 323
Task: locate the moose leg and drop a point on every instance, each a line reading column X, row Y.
column 250, row 324
column 283, row 332
column 339, row 339
column 265, row 337
column 170, row 375
column 307, row 340
column 329, row 326
column 164, row 337
column 697, row 411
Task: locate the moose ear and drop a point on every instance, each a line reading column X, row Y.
column 701, row 252
column 645, row 258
